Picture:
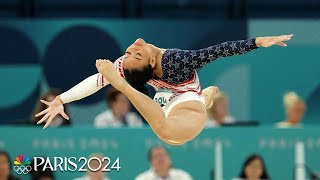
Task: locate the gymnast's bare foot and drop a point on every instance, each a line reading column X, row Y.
column 208, row 94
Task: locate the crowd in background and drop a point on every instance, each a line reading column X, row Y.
column 161, row 168
column 120, row 112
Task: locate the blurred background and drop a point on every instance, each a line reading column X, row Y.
column 270, row 98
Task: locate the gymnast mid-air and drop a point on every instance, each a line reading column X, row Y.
column 183, row 116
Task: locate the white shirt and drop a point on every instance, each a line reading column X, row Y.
column 174, row 174
column 285, row 124
column 88, row 178
column 107, row 119
column 213, row 123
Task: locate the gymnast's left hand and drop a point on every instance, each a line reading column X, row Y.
column 55, row 107
column 273, row 40
column 107, row 69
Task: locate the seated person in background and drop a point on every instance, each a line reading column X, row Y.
column 5, row 167
column 219, row 112
column 295, row 108
column 253, row 169
column 45, row 175
column 118, row 115
column 161, row 167
column 49, row 96
column 94, row 164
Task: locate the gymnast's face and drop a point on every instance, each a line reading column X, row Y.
column 138, row 55
column 138, row 62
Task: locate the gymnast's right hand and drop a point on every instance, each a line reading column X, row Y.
column 55, row 107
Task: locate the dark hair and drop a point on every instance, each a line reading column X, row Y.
column 248, row 161
column 137, row 78
column 153, row 148
column 111, row 95
column 40, row 106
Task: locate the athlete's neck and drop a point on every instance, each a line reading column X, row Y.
column 158, row 54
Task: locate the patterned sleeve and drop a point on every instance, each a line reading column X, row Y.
column 199, row 58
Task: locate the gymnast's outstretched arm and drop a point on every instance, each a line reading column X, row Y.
column 85, row 88
column 199, row 58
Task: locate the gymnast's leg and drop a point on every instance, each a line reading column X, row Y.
column 184, row 122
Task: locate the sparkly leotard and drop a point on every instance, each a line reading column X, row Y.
column 179, row 67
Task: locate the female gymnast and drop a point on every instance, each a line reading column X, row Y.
column 182, row 117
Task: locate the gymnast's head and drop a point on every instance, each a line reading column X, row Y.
column 139, row 62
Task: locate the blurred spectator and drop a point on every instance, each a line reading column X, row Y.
column 5, row 167
column 219, row 112
column 253, row 169
column 118, row 115
column 315, row 176
column 161, row 167
column 295, row 108
column 94, row 164
column 47, row 174
column 50, row 96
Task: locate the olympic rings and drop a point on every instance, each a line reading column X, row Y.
column 22, row 169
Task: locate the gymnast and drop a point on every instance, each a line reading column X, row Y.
column 172, row 73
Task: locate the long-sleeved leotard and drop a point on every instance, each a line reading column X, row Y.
column 178, row 67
